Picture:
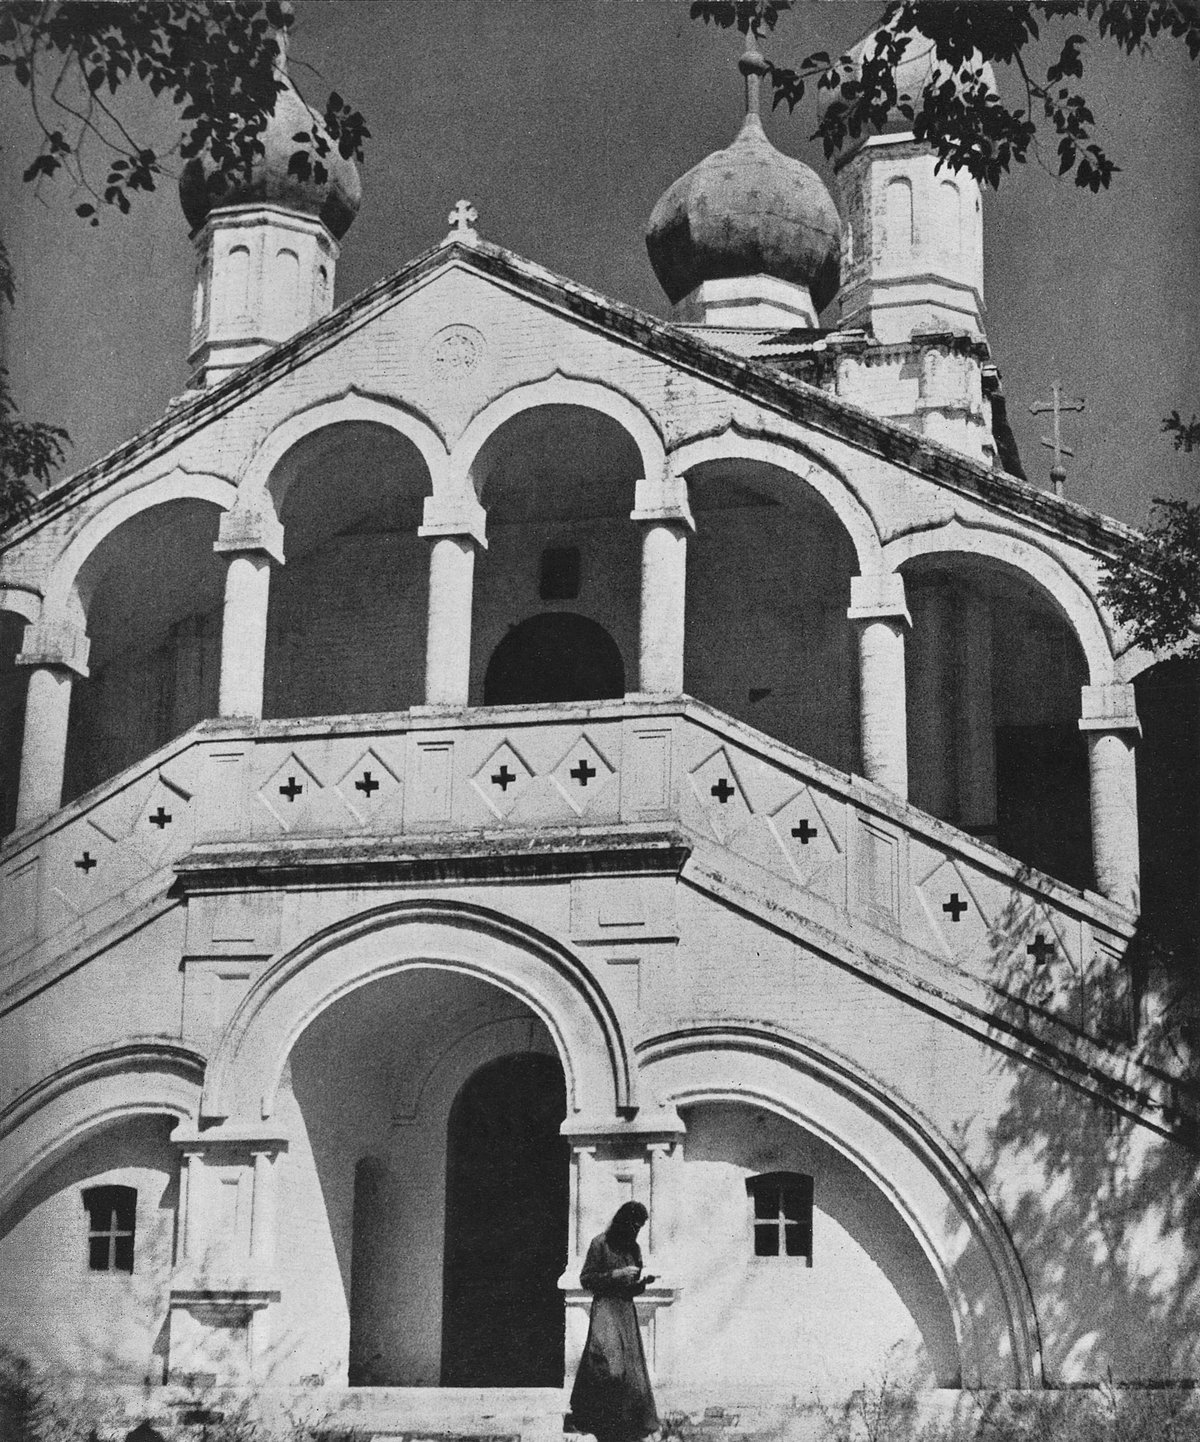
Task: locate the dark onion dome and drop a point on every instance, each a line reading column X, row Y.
column 334, row 201
column 747, row 210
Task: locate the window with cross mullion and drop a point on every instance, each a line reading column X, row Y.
column 112, row 1224
column 783, row 1204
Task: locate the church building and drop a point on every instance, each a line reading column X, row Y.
column 488, row 753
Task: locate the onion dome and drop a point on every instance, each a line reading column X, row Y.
column 334, row 201
column 918, row 65
column 747, row 210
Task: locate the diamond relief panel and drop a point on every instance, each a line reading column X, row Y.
column 290, row 793
column 502, row 779
column 722, row 798
column 372, row 792
column 584, row 776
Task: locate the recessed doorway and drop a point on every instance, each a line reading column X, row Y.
column 507, row 1193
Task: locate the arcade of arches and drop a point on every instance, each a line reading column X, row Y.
column 993, row 671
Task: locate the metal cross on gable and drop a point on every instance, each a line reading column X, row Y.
column 1058, row 476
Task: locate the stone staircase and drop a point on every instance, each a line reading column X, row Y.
column 844, row 867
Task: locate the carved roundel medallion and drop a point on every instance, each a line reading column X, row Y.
column 456, row 350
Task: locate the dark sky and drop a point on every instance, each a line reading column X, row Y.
column 563, row 121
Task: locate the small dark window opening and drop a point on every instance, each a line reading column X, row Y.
column 783, row 1208
column 112, row 1213
column 560, row 573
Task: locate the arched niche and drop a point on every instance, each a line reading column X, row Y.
column 994, row 671
column 151, row 593
column 386, row 1234
column 551, row 657
column 896, row 1189
column 117, row 1321
column 346, row 620
column 554, row 480
column 13, row 685
column 865, row 1300
column 768, row 588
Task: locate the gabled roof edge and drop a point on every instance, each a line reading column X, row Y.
column 756, row 380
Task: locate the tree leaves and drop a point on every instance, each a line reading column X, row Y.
column 216, row 60
column 1153, row 585
column 968, row 124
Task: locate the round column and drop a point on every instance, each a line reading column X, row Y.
column 56, row 653
column 244, row 634
column 976, row 718
column 877, row 607
column 664, row 585
column 250, row 539
column 1110, row 723
column 44, row 745
column 448, row 644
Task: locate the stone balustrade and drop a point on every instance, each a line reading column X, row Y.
column 837, row 861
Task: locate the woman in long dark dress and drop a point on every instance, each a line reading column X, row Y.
column 611, row 1398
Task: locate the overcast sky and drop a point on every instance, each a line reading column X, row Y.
column 563, row 121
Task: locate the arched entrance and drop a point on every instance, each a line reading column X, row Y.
column 554, row 656
column 507, row 1193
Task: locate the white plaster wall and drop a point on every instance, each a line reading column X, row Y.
column 746, row 1325
column 52, row 1307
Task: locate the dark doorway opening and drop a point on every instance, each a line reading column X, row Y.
column 555, row 656
column 1168, row 782
column 1043, row 815
column 507, row 1194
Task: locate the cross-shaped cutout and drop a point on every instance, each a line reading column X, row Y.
column 366, row 785
column 723, row 791
column 805, row 832
column 463, row 217
column 582, row 773
column 86, row 862
column 291, row 790
column 955, row 907
column 503, row 778
column 160, row 818
column 1041, row 950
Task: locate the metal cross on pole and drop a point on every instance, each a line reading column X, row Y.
column 1058, row 476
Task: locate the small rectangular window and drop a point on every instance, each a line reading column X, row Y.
column 560, row 573
column 783, row 1206
column 112, row 1224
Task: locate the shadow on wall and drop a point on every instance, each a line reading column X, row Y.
column 1103, row 1211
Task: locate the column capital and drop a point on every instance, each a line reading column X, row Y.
column 60, row 643
column 660, row 1126
column 878, row 598
column 242, row 1139
column 1109, row 708
column 663, row 499
column 468, row 523
column 250, row 530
